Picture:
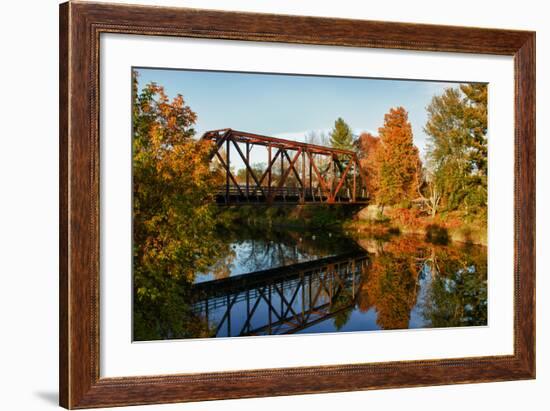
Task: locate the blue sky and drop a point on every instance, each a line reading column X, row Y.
column 289, row 106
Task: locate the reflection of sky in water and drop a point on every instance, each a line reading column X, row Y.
column 249, row 255
column 417, row 319
column 358, row 321
column 403, row 282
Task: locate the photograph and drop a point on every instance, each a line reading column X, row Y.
column 275, row 205
column 280, row 203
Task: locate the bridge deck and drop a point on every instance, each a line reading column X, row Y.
column 284, row 195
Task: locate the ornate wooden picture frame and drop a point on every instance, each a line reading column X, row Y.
column 80, row 27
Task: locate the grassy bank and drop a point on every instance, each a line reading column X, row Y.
column 292, row 216
column 439, row 229
column 369, row 221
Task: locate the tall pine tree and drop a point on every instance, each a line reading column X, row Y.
column 475, row 119
column 341, row 135
column 397, row 160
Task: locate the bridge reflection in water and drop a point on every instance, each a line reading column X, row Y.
column 283, row 300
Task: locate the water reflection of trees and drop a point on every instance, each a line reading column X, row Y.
column 391, row 285
column 454, row 277
column 444, row 286
column 165, row 311
column 458, row 292
column 340, row 305
column 262, row 248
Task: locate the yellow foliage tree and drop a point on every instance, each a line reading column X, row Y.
column 173, row 210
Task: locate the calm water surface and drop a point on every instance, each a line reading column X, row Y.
column 290, row 282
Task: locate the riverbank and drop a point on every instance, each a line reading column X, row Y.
column 358, row 221
column 455, row 227
column 289, row 216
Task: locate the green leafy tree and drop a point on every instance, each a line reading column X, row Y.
column 341, row 136
column 457, row 295
column 457, row 148
column 257, row 168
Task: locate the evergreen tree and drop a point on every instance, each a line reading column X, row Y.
column 397, row 160
column 341, row 135
column 475, row 120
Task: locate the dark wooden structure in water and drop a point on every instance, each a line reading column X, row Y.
column 295, row 172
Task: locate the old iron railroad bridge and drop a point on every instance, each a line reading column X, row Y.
column 294, row 172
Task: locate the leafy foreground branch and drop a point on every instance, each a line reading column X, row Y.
column 174, row 218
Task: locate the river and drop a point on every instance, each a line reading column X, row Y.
column 273, row 282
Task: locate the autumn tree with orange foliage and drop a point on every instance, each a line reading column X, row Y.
column 397, row 160
column 367, row 147
column 173, row 212
column 391, row 285
column 456, row 284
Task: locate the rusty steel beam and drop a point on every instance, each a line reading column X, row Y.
column 258, row 139
column 229, row 175
column 287, row 171
column 248, row 169
column 294, row 168
column 342, row 179
column 331, row 174
column 267, row 172
column 319, row 176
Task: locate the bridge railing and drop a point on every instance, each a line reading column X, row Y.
column 241, row 193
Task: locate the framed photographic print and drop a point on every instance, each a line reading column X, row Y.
column 258, row 205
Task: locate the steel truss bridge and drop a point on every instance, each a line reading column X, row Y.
column 295, row 172
column 283, row 300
